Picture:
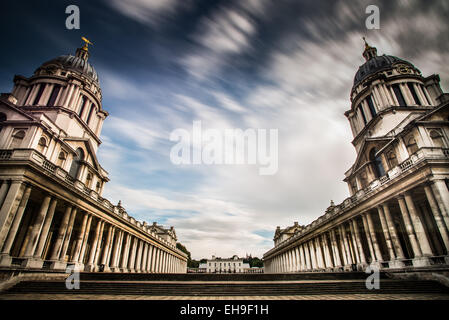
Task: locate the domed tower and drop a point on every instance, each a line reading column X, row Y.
column 388, row 93
column 63, row 98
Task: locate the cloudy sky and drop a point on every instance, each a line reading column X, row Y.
column 284, row 64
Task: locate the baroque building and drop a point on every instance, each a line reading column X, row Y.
column 52, row 213
column 397, row 215
column 220, row 265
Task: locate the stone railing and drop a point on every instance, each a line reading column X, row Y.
column 58, row 172
column 361, row 195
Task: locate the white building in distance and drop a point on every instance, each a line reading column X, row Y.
column 220, row 265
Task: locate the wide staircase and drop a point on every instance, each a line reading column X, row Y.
column 228, row 285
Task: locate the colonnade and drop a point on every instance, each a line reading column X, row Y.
column 410, row 229
column 40, row 230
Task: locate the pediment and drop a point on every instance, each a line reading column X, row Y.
column 367, row 145
column 87, row 147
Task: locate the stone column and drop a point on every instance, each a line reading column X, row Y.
column 100, row 245
column 5, row 259
column 357, row 236
column 150, row 259
column 93, row 249
column 302, row 256
column 354, row 242
column 298, row 259
column 9, row 207
column 313, row 256
column 418, row 226
column 85, row 240
column 409, row 227
column 124, row 260
column 139, row 256
column 393, row 233
column 59, row 239
column 116, row 250
column 3, row 191
column 79, row 240
column 318, row 253
column 386, row 232
column 36, row 229
column 107, row 245
column 329, row 262
column 441, row 193
column 335, row 249
column 68, row 234
column 145, row 258
column 368, row 238
column 346, row 245
column 439, row 219
column 132, row 258
column 45, row 229
column 374, row 237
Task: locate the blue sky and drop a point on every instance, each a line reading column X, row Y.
column 286, row 65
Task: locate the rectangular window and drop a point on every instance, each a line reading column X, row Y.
column 371, row 106
column 39, row 94
column 413, row 91
column 363, row 114
column 399, row 96
column 54, row 95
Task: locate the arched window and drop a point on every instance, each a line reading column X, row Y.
column 42, row 145
column 76, row 163
column 412, row 147
column 437, row 138
column 392, row 159
column 98, row 187
column 88, row 179
column 17, row 139
column 61, row 158
column 377, row 163
column 3, row 118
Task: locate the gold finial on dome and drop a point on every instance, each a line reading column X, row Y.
column 366, row 43
column 369, row 52
column 86, row 43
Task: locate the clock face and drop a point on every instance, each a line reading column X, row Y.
column 404, row 69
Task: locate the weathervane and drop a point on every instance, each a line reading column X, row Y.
column 86, row 43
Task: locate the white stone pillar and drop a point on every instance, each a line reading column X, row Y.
column 368, row 238
column 337, row 259
column 439, row 219
column 68, row 234
column 125, row 257
column 79, row 240
column 357, row 235
column 93, row 248
column 132, row 257
column 45, row 229
column 374, row 237
column 17, row 219
column 386, row 232
column 393, row 232
column 37, row 227
column 441, row 193
column 9, row 207
column 418, row 226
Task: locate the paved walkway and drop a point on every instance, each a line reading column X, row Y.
column 305, row 297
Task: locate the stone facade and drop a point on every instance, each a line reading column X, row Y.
column 397, row 215
column 52, row 213
column 219, row 265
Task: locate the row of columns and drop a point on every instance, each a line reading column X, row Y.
column 358, row 241
column 93, row 244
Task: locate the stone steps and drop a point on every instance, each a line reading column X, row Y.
column 173, row 288
column 227, row 277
